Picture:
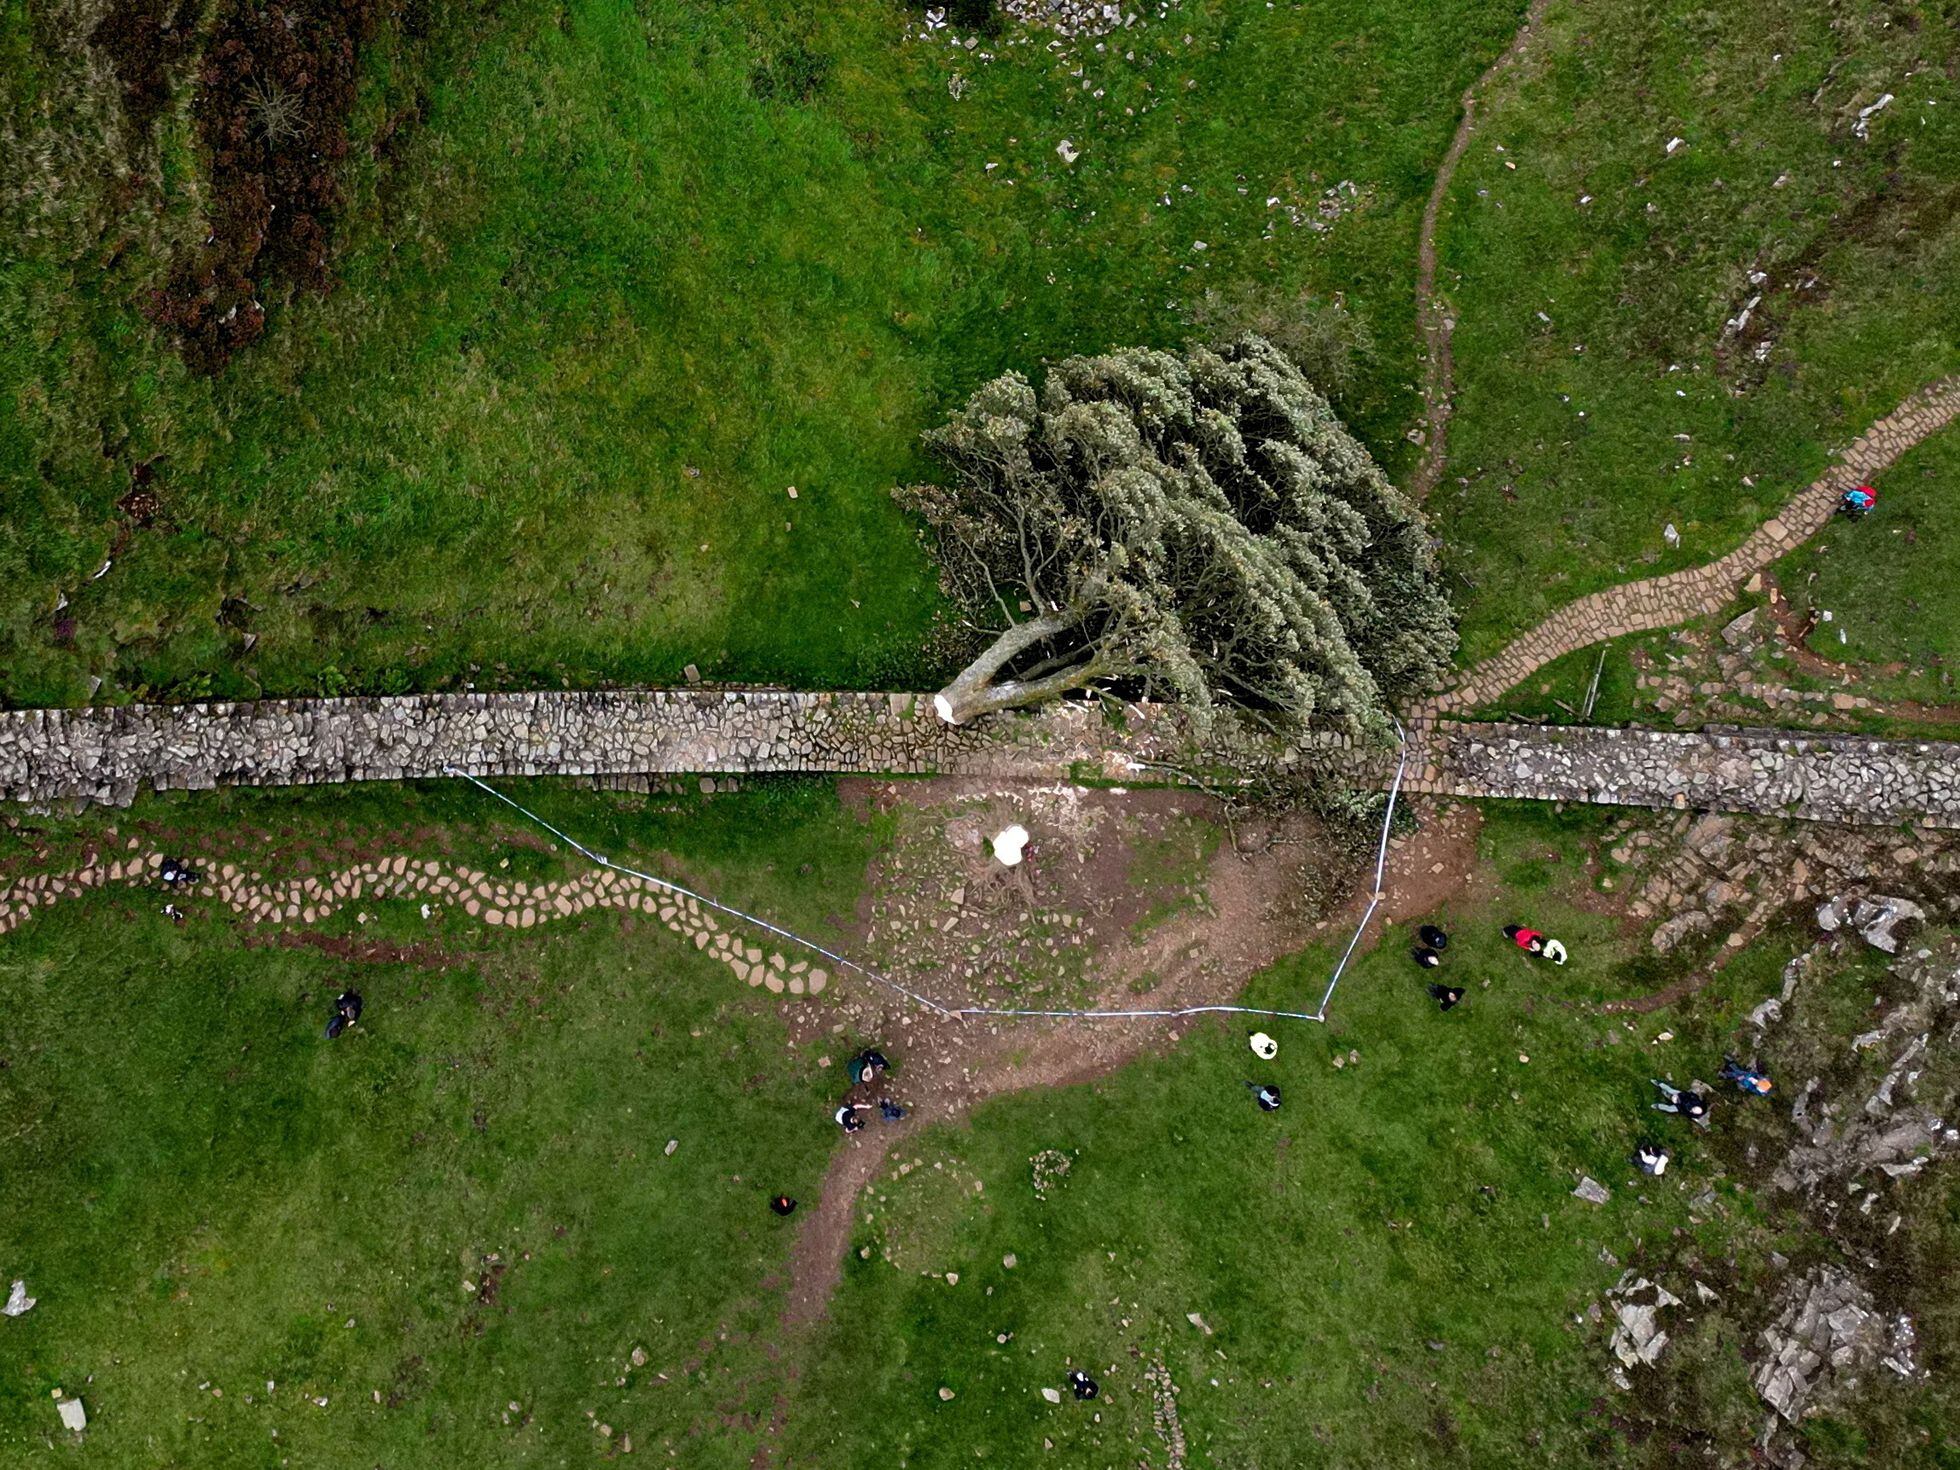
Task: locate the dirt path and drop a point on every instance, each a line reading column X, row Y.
column 1439, row 371
column 951, row 1066
column 1661, row 602
column 1200, row 958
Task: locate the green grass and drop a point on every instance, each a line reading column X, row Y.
column 1391, row 1265
column 1565, row 464
column 1556, row 693
column 1888, row 581
column 205, row 1195
column 599, row 264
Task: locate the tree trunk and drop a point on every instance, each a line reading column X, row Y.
column 974, row 693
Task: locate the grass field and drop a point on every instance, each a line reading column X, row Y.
column 1888, row 582
column 454, row 1225
column 1392, row 1269
column 1593, row 270
column 466, row 1205
column 614, row 277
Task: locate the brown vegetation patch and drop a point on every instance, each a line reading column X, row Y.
column 357, row 951
column 145, row 40
column 274, row 95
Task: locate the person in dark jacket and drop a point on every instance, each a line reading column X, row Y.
column 867, row 1065
column 1082, row 1385
column 1435, row 938
column 346, row 1011
column 1447, row 997
column 1426, row 957
column 1651, row 1159
column 1680, row 1100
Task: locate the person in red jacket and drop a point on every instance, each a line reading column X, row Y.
column 1529, row 940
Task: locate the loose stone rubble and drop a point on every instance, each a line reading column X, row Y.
column 1852, row 1153
column 1904, row 1122
column 1828, row 1333
column 1636, row 1304
column 1726, row 875
column 1875, row 919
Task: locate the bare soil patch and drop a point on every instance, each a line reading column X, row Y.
column 1288, row 883
column 357, row 951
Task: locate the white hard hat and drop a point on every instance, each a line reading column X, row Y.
column 1263, row 1046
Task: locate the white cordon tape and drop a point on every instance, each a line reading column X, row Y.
column 844, row 961
column 1381, row 866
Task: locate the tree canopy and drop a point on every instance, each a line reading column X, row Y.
column 1198, row 527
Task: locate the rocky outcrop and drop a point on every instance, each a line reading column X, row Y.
column 1896, row 1127
column 1875, row 919
column 1828, row 1334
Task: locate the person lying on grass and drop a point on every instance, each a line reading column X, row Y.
column 1531, row 941
column 1686, row 1103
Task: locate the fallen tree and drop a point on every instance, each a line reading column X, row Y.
column 1197, row 527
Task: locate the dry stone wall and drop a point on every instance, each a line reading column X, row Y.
column 1767, row 772
column 108, row 756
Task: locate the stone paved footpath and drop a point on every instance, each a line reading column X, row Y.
column 492, row 899
column 1661, row 602
column 108, row 756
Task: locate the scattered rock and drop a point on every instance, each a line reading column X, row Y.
column 1876, row 918
column 1636, row 1303
column 1828, row 1332
column 1592, row 1191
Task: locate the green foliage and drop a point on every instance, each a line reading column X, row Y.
column 1392, row 1268
column 1328, row 343
column 206, row 1195
column 598, row 306
column 1888, row 581
column 794, row 74
column 1200, row 527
